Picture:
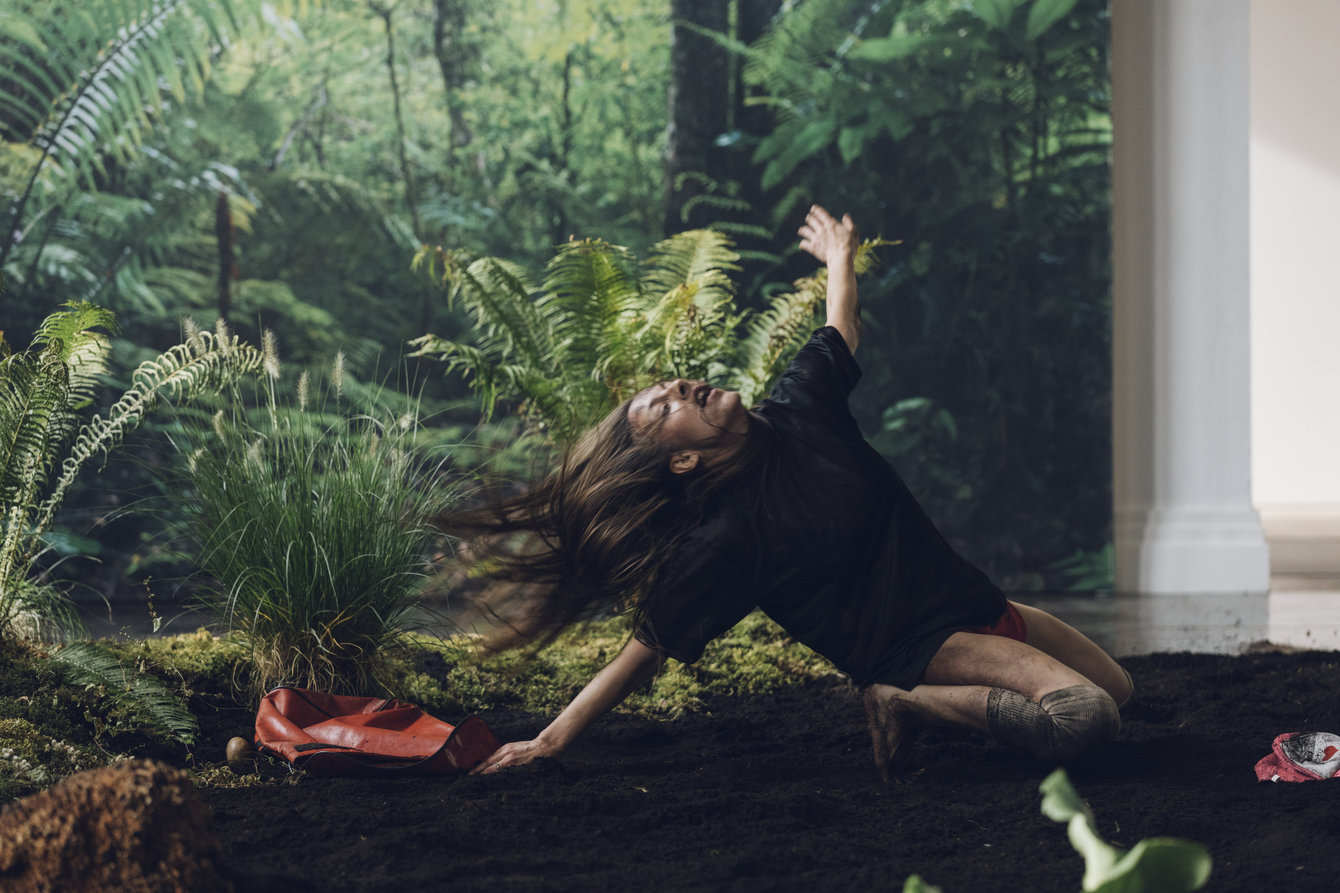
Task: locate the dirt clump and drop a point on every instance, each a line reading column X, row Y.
column 136, row 826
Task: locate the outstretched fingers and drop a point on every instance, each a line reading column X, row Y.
column 826, row 237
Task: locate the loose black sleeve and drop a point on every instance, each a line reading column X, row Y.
column 819, row 379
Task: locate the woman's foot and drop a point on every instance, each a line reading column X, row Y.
column 891, row 724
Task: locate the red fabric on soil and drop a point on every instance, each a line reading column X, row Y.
column 326, row 735
column 779, row 793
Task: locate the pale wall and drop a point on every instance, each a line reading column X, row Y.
column 1295, row 280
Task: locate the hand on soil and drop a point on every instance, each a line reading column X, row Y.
column 509, row 756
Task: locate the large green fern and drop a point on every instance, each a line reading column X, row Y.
column 603, row 326
column 86, row 80
column 42, row 391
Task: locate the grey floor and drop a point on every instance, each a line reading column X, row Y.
column 1299, row 612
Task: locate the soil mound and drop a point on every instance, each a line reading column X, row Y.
column 135, row 825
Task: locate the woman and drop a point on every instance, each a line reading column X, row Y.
column 704, row 510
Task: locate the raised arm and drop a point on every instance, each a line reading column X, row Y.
column 834, row 243
column 634, row 666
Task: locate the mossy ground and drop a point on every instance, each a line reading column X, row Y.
column 50, row 729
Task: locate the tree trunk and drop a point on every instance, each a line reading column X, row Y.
column 411, row 193
column 699, row 98
column 225, row 233
column 454, row 58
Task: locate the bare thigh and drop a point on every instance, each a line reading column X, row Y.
column 1074, row 649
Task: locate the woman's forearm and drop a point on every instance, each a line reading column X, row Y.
column 834, row 243
column 633, row 667
column 844, row 303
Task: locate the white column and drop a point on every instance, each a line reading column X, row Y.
column 1183, row 512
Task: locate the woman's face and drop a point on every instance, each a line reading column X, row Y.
column 691, row 416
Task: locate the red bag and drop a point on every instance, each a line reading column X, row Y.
column 1301, row 756
column 343, row 735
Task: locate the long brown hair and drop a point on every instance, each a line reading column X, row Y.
column 595, row 532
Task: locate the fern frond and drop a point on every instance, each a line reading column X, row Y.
column 207, row 360
column 141, row 697
column 775, row 333
column 703, row 258
column 592, row 290
column 34, row 405
column 82, row 349
column 86, row 80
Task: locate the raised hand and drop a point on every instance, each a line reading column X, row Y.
column 830, row 240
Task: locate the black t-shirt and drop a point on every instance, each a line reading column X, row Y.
column 826, row 539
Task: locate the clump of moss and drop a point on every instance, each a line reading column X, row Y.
column 199, row 661
column 32, row 690
column 755, row 657
column 31, row 760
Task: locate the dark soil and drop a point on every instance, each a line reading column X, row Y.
column 779, row 793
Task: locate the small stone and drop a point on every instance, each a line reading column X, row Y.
column 241, row 753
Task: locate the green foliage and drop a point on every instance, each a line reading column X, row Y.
column 600, row 329
column 88, row 79
column 137, row 698
column 199, row 659
column 1088, row 571
column 980, row 134
column 1155, row 865
column 314, row 521
column 42, row 390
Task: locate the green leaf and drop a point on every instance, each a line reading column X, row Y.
column 915, row 884
column 996, row 13
column 144, row 697
column 21, row 30
column 1155, row 865
column 1060, row 801
column 1161, row 865
column 1045, row 13
column 850, row 142
column 886, row 49
column 812, row 138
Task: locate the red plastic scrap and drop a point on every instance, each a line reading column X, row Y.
column 1301, row 756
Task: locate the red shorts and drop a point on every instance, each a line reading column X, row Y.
column 1010, row 625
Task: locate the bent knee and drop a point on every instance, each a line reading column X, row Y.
column 1060, row 725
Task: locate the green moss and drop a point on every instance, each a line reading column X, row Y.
column 755, row 657
column 32, row 690
column 200, row 660
column 31, row 760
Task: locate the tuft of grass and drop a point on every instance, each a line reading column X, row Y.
column 315, row 526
